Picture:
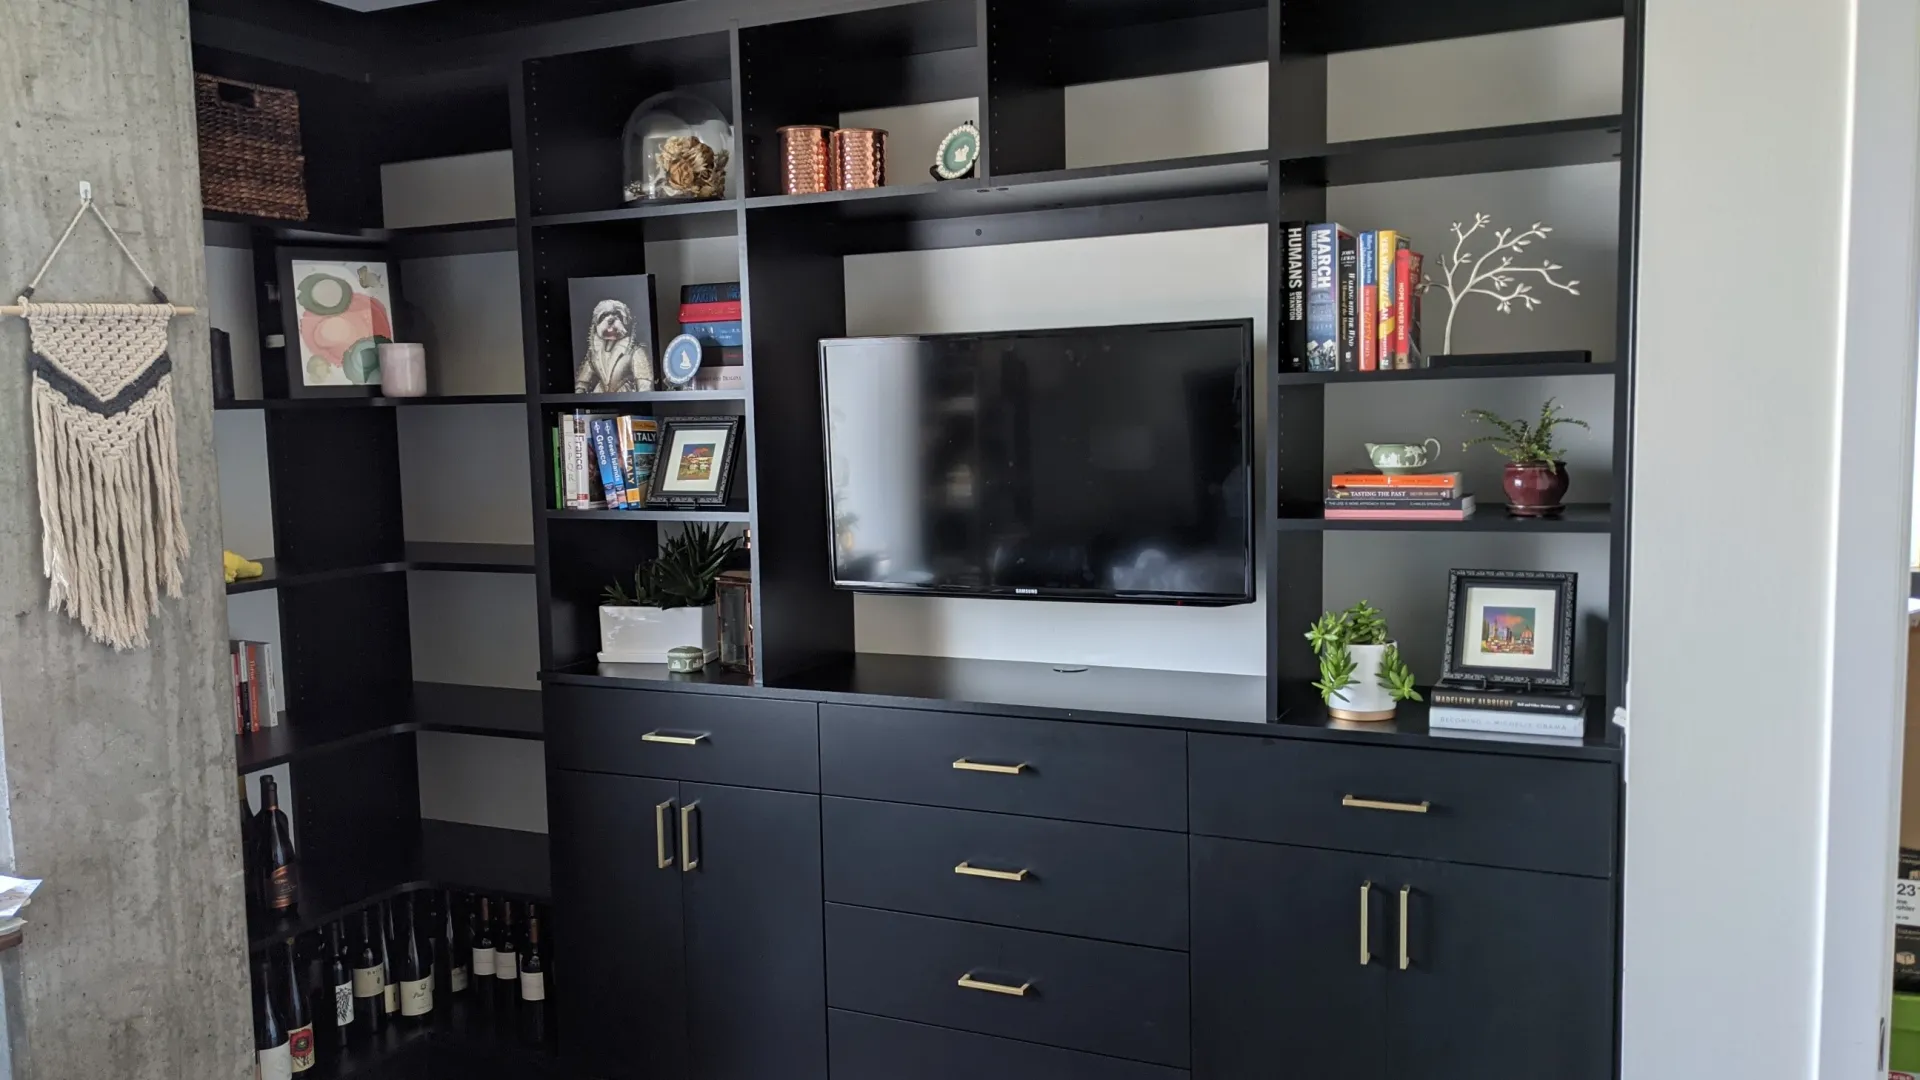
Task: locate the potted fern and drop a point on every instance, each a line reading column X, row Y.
column 1362, row 675
column 1536, row 478
column 671, row 602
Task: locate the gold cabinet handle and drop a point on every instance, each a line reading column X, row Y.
column 688, row 860
column 968, row 982
column 1358, row 803
column 1366, row 913
column 1406, row 954
column 970, row 870
column 663, row 857
column 980, row 766
column 673, row 740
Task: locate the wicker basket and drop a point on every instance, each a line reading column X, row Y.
column 250, row 159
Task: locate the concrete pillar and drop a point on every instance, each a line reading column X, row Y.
column 119, row 767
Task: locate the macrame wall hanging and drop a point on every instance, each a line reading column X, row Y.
column 111, row 533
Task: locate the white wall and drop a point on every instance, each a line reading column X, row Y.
column 1765, row 624
column 1221, row 273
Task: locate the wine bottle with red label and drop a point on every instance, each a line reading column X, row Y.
column 299, row 1020
column 273, row 836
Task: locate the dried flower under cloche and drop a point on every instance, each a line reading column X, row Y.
column 676, row 146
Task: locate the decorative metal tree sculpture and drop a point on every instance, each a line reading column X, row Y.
column 1494, row 273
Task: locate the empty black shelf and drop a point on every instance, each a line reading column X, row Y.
column 313, row 729
column 642, row 396
column 479, row 858
column 344, row 402
column 1513, row 366
column 276, row 576
column 470, row 558
column 1491, row 517
column 1583, row 141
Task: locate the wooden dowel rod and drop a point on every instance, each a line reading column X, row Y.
column 17, row 310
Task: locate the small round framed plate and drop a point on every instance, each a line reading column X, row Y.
column 959, row 153
column 681, row 361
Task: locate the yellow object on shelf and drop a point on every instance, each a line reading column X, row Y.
column 238, row 567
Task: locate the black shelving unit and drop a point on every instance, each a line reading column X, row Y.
column 556, row 90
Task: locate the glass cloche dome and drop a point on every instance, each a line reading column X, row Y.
column 677, row 146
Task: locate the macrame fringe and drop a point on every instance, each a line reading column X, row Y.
column 112, row 535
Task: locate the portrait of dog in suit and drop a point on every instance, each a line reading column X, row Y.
column 617, row 361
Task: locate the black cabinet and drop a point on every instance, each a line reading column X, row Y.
column 622, row 993
column 694, row 942
column 1364, row 966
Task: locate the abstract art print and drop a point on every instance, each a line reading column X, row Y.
column 1511, row 626
column 346, row 313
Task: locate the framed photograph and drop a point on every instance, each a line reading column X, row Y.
column 614, row 351
column 694, row 465
column 337, row 309
column 1510, row 627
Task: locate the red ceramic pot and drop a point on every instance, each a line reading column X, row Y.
column 1535, row 490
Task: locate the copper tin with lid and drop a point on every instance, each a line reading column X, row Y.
column 803, row 159
column 858, row 159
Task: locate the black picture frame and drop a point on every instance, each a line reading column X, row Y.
column 720, row 472
column 636, row 292
column 1460, row 666
column 285, row 255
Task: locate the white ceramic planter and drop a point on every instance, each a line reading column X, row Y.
column 642, row 635
column 1366, row 699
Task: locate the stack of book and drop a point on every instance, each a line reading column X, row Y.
column 602, row 461
column 710, row 313
column 1553, row 713
column 1410, row 497
column 1349, row 301
column 256, row 695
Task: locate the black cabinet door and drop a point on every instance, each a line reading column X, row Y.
column 622, row 991
column 1279, row 986
column 755, row 947
column 1509, row 973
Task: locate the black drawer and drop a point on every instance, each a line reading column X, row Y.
column 875, row 1048
column 1492, row 809
column 1044, row 768
column 1097, row 881
column 706, row 738
column 1120, row 1000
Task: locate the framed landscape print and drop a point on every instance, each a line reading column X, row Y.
column 337, row 308
column 1511, row 627
column 694, row 464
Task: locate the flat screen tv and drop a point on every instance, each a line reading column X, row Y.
column 1104, row 463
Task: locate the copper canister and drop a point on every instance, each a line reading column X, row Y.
column 858, row 159
column 803, row 159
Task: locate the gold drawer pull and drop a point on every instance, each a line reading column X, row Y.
column 674, row 740
column 1358, row 803
column 1406, row 951
column 970, row 870
column 980, row 766
column 1366, row 911
column 970, row 983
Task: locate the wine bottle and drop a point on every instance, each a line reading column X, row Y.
column 413, row 962
column 249, row 856
column 533, row 973
column 337, row 984
column 369, row 986
column 453, row 945
column 299, row 1020
column 483, row 943
column 279, row 871
column 506, row 964
column 273, row 1057
column 390, row 990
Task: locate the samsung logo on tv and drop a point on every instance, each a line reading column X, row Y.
column 1026, row 592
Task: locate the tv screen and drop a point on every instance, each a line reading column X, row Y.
column 1107, row 463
